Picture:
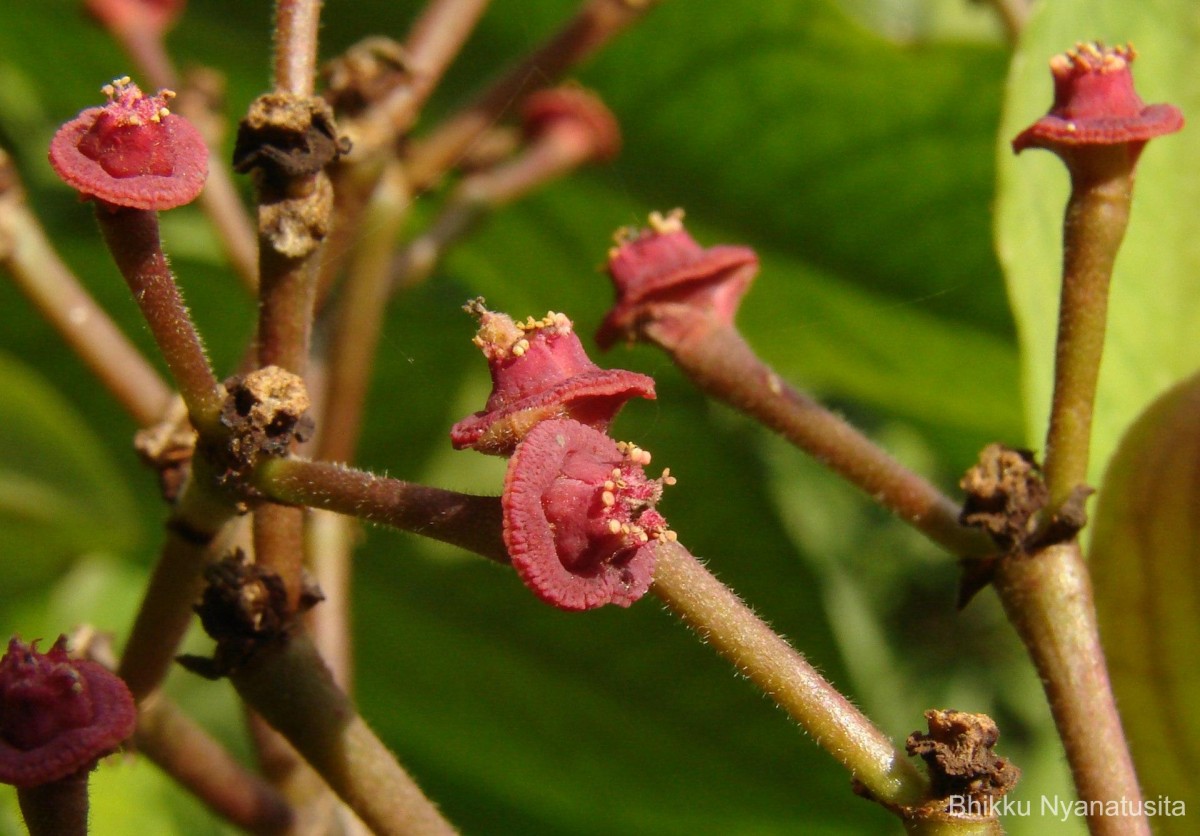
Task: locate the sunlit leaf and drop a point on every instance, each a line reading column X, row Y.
column 1145, row 559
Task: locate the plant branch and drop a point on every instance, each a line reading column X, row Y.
column 1048, row 598
column 726, row 367
column 436, row 38
column 297, row 23
column 1093, row 228
column 166, row 609
column 722, row 620
column 470, row 522
column 132, row 238
column 593, row 25
column 289, row 685
column 183, row 750
column 51, row 286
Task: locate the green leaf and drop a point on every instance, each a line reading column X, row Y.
column 1153, row 318
column 60, row 495
column 1145, row 559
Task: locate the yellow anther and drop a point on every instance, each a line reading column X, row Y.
column 608, row 498
column 614, row 527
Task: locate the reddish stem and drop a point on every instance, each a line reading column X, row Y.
column 593, row 25
column 470, row 522
column 132, row 237
column 59, row 808
column 297, row 23
column 721, row 363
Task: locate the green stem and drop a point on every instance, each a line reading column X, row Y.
column 1096, row 217
column 1048, row 598
column 722, row 620
column 132, row 238
column 722, row 364
column 290, row 686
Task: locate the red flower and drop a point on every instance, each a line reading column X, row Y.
column 132, row 152
column 579, row 517
column 1095, row 104
column 539, row 371
column 57, row 715
column 665, row 280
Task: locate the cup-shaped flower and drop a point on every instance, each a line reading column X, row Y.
column 579, row 518
column 132, row 152
column 57, row 715
column 1095, row 104
column 576, row 118
column 667, row 282
column 540, row 370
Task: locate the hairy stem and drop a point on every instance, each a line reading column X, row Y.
column 436, row 38
column 1048, row 598
column 722, row 620
column 175, row 585
column 59, row 808
column 470, row 522
column 132, row 238
column 1096, row 217
column 297, row 23
column 724, row 366
column 204, row 767
column 290, row 686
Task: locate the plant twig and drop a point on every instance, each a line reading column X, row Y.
column 51, row 286
column 200, row 764
column 1048, row 598
column 289, row 685
column 722, row 620
column 725, row 366
column 470, row 522
column 593, row 25
column 132, row 237
column 297, row 23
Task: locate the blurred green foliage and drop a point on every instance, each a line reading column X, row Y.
column 855, row 149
